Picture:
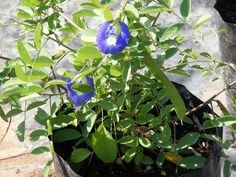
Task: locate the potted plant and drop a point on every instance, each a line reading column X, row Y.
column 116, row 113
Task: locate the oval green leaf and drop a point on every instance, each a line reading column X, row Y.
column 104, row 146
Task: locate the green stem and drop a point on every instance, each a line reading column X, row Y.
column 66, row 18
column 170, row 89
column 122, row 10
column 5, row 58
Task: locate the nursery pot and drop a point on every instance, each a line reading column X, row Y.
column 212, row 166
column 226, row 19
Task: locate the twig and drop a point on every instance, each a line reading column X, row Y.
column 12, row 157
column 60, row 43
column 5, row 134
column 5, row 58
column 210, row 99
column 54, row 94
column 66, row 18
column 155, row 20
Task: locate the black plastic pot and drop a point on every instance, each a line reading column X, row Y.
column 227, row 10
column 212, row 167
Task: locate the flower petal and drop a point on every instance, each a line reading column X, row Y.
column 76, row 98
column 106, row 32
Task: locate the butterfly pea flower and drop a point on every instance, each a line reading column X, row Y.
column 79, row 99
column 112, row 37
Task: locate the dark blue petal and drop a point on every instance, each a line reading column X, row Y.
column 76, row 98
column 107, row 30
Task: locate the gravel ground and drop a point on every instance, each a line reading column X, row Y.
column 13, row 153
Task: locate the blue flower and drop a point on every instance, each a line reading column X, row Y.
column 76, row 98
column 110, row 42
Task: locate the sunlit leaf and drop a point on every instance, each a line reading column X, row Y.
column 20, row 132
column 38, row 35
column 185, row 8
column 101, row 142
column 24, row 55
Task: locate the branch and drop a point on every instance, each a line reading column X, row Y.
column 5, row 58
column 8, row 127
column 66, row 18
column 59, row 43
column 210, row 99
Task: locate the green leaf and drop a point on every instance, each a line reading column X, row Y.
column 104, row 146
column 169, row 3
column 226, row 120
column 88, row 52
column 126, row 72
column 12, row 91
column 43, row 61
column 47, row 168
column 171, row 31
column 38, row 35
column 66, row 134
column 128, row 140
column 125, row 124
column 30, row 89
column 20, row 74
column 108, row 105
column 145, row 118
column 82, row 88
column 90, row 122
column 180, row 72
column 187, row 140
column 36, row 75
column 89, row 35
column 170, row 89
column 30, row 3
column 85, row 13
column 160, row 159
column 146, row 160
column 145, row 142
column 41, row 117
column 2, row 114
column 170, row 53
column 35, row 135
column 20, row 132
column 13, row 113
column 153, row 9
column 185, row 8
column 1, row 23
column 107, row 13
column 211, row 123
column 193, row 162
column 78, row 21
column 23, row 14
column 12, row 82
column 203, row 19
column 129, row 155
column 78, row 155
column 97, row 3
column 166, row 133
column 62, row 121
column 131, row 11
column 24, row 55
column 115, row 71
column 83, row 73
column 56, row 82
column 227, row 168
column 40, row 150
column 147, row 107
column 35, row 105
